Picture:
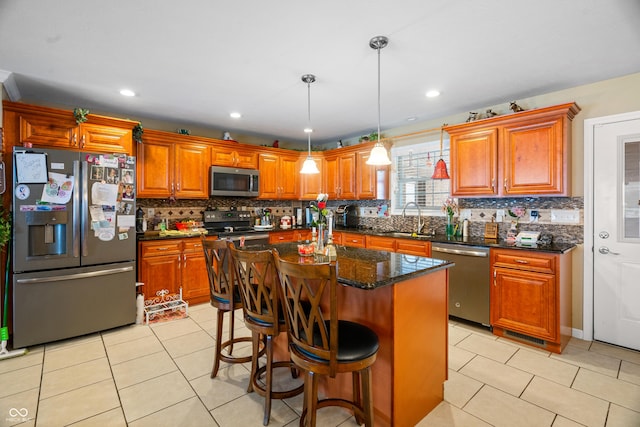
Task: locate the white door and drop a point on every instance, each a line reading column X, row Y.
column 616, row 233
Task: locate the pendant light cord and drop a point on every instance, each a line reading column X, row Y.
column 378, row 49
column 309, row 116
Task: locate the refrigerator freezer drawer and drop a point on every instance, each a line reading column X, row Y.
column 54, row 305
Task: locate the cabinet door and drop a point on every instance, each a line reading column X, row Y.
column 246, row 158
column 160, row 272
column 534, row 160
column 413, row 247
column 353, row 239
column 155, row 165
column 288, row 177
column 331, row 176
column 381, row 243
column 47, row 131
column 195, row 279
column 105, row 139
column 474, row 166
column 281, row 236
column 191, row 166
column 347, row 173
column 268, row 165
column 310, row 184
column 525, row 302
column 367, row 175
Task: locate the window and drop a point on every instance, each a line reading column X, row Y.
column 411, row 180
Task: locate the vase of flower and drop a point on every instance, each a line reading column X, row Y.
column 320, row 247
column 450, row 226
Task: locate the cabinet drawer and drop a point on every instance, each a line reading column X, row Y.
column 161, row 248
column 193, row 245
column 381, row 243
column 353, row 240
column 523, row 260
column 413, row 247
column 280, row 236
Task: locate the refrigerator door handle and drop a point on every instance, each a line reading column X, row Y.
column 76, row 276
column 76, row 209
column 85, row 209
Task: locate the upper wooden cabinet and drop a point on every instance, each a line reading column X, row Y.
column 339, row 174
column 279, row 175
column 234, row 156
column 44, row 127
column 310, row 184
column 521, row 154
column 169, row 165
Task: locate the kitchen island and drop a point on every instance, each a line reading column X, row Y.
column 403, row 298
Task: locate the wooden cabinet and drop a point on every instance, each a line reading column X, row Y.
column 234, row 156
column 339, row 175
column 380, row 243
column 279, row 175
column 159, row 266
column 372, row 181
column 355, row 240
column 44, row 127
column 170, row 166
column 521, row 154
column 531, row 297
column 283, row 236
column 311, row 184
column 173, row 264
column 413, row 247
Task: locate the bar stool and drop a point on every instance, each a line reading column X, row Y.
column 258, row 285
column 320, row 343
column 225, row 298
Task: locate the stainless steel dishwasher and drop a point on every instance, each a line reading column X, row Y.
column 469, row 280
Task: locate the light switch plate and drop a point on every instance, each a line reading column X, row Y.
column 565, row 216
column 151, row 212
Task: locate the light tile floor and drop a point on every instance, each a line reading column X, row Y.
column 159, row 376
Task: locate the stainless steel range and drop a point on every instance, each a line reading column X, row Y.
column 233, row 225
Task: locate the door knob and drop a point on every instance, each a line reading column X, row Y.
column 605, row 250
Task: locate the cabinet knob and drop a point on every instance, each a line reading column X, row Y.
column 521, row 261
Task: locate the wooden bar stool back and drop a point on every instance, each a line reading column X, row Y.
column 225, row 298
column 320, row 343
column 257, row 281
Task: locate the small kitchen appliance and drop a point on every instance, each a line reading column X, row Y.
column 341, row 216
column 233, row 225
column 352, row 215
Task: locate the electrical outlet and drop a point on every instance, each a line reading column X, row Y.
column 565, row 216
column 499, row 215
column 151, row 212
column 534, row 216
column 465, row 214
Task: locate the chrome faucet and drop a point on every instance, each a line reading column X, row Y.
column 420, row 223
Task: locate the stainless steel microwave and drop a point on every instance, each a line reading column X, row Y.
column 233, row 182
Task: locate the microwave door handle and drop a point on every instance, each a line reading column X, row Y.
column 75, row 213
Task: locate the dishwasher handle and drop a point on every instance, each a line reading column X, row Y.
column 466, row 252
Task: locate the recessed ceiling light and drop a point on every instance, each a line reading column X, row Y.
column 432, row 93
column 127, row 92
column 308, row 130
column 412, row 119
column 235, row 115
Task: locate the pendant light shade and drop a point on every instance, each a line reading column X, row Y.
column 379, row 155
column 440, row 171
column 309, row 166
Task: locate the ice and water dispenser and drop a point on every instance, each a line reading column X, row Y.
column 47, row 233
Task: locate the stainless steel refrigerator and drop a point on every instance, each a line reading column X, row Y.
column 74, row 244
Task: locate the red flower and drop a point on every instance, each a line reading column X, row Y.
column 322, row 205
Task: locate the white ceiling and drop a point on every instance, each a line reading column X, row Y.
column 193, row 62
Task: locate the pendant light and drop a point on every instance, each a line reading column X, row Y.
column 309, row 166
column 440, row 171
column 379, row 155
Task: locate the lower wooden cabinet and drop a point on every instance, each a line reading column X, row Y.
column 531, row 297
column 413, row 247
column 355, row 240
column 287, row 236
column 381, row 243
column 173, row 264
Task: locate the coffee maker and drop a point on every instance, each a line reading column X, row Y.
column 346, row 216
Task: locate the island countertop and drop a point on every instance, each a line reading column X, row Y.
column 366, row 268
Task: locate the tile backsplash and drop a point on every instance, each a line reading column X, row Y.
column 560, row 217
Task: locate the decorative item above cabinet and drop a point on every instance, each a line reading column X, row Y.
column 519, row 154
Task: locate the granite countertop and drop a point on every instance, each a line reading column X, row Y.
column 559, row 248
column 365, row 268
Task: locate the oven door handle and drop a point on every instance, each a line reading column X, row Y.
column 465, row 252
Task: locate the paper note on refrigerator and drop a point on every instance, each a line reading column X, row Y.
column 104, row 194
column 58, row 189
